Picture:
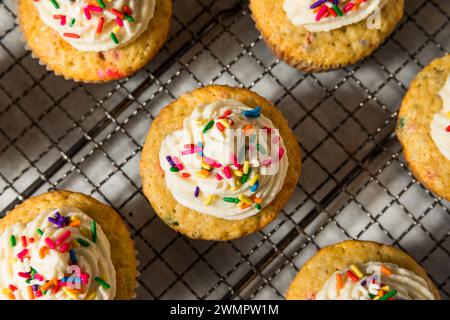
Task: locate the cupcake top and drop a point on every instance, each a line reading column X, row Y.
column 228, row 160
column 97, row 25
column 440, row 124
column 375, row 281
column 327, row 15
column 61, row 254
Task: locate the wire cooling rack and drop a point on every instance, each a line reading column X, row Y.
column 57, row 134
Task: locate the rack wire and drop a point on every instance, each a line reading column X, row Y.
column 57, row 134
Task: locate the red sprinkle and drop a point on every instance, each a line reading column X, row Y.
column 101, row 22
column 352, row 276
column 24, row 241
column 24, row 275
column 71, row 35
column 447, row 129
column 63, row 237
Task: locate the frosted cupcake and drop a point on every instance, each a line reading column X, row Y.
column 219, row 163
column 65, row 246
column 362, row 270
column 95, row 41
column 318, row 35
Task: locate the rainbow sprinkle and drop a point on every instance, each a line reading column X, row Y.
column 335, row 8
column 37, row 285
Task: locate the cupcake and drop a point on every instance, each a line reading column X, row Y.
column 95, row 40
column 424, row 127
column 65, row 246
column 219, row 163
column 321, row 35
column 362, row 270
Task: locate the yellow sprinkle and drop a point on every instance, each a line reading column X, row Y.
column 6, row 291
column 91, row 296
column 376, row 298
column 225, row 123
column 385, row 288
column 199, row 123
column 235, row 188
column 75, row 244
column 209, row 200
column 205, row 166
column 448, row 114
column 116, row 29
column 238, row 173
column 245, row 199
column 202, row 174
column 253, row 180
column 355, row 269
column 70, row 293
column 246, row 166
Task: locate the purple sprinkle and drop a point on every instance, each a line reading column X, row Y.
column 196, row 192
column 169, row 159
column 318, row 3
column 35, row 287
column 67, row 220
column 53, row 220
column 57, row 215
column 363, row 283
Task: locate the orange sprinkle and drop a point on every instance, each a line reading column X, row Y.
column 75, row 223
column 244, row 205
column 257, row 200
column 48, row 285
column 386, row 271
column 380, row 293
column 339, row 284
column 11, row 296
column 30, row 293
column 43, row 252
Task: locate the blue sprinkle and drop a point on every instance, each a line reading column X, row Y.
column 73, row 256
column 255, row 113
column 255, row 187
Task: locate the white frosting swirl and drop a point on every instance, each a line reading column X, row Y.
column 301, row 14
column 219, row 146
column 441, row 121
column 93, row 260
column 408, row 285
column 76, row 18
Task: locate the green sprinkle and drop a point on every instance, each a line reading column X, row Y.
column 258, row 206
column 114, row 38
column 231, row 200
column 401, row 123
column 40, row 232
column 72, row 22
column 337, row 10
column 129, row 18
column 45, row 292
column 388, row 295
column 208, row 126
column 83, row 242
column 55, row 4
column 174, row 169
column 102, row 283
column 101, row 4
column 33, row 273
column 12, row 241
column 94, row 231
column 28, row 281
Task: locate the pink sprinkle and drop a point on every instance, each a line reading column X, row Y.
column 119, row 22
column 63, row 237
column 227, row 172
column 84, row 278
column 50, row 243
column 218, row 176
column 281, row 153
column 64, row 248
column 191, row 151
column 209, row 161
column 39, row 277
column 267, row 162
column 323, row 10
column 93, row 8
column 216, row 165
column 349, row 7
column 87, row 13
column 22, row 254
column 235, row 161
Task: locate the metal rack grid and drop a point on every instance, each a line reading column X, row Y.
column 57, row 134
